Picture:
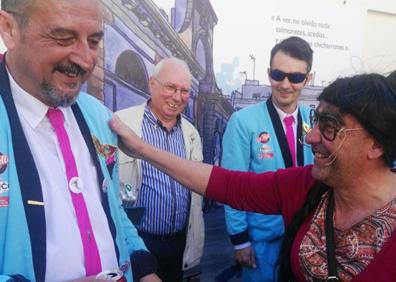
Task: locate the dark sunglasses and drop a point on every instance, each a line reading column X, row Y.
column 294, row 77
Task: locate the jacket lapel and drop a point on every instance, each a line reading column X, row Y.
column 28, row 178
column 299, row 145
column 281, row 136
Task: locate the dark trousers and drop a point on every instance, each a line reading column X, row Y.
column 168, row 250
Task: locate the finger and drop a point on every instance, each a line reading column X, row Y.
column 122, row 131
column 240, row 258
column 244, row 259
column 116, row 125
column 113, row 124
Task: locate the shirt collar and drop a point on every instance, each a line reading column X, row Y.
column 282, row 114
column 154, row 120
column 31, row 109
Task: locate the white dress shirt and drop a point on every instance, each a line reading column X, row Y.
column 64, row 257
column 282, row 116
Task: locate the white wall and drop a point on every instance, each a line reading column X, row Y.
column 379, row 53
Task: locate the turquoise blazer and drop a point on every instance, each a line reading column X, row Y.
column 243, row 150
column 22, row 225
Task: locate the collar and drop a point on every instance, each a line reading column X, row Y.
column 282, row 114
column 154, row 120
column 29, row 107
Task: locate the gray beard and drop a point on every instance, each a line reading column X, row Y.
column 56, row 98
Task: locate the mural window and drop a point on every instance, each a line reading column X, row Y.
column 200, row 54
column 131, row 69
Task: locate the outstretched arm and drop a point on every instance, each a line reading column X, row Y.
column 193, row 175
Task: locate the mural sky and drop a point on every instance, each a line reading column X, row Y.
column 246, row 31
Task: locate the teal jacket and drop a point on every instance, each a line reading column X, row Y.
column 22, row 225
column 243, row 150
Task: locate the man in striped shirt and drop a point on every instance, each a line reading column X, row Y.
column 172, row 226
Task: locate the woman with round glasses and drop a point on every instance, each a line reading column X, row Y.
column 340, row 212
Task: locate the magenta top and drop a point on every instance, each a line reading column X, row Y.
column 283, row 192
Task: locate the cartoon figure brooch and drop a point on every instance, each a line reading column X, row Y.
column 105, row 150
column 266, row 151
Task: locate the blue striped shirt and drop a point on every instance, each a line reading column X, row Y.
column 167, row 202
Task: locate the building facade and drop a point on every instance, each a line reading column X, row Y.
column 137, row 35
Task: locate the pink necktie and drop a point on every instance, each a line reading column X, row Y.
column 91, row 253
column 290, row 137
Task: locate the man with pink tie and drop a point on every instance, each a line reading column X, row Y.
column 60, row 213
column 264, row 137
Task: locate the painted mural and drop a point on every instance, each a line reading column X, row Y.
column 138, row 33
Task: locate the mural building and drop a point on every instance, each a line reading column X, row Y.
column 138, row 34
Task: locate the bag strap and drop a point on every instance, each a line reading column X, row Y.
column 330, row 244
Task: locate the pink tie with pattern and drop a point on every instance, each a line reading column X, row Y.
column 290, row 137
column 91, row 252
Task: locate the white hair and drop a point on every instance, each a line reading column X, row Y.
column 158, row 68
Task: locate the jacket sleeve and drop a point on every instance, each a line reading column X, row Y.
column 196, row 147
column 129, row 168
column 196, row 227
column 236, row 156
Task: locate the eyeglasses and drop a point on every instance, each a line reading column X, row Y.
column 329, row 126
column 172, row 89
column 294, row 77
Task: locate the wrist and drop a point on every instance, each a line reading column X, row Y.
column 242, row 246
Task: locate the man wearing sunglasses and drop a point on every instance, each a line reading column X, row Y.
column 172, row 226
column 256, row 237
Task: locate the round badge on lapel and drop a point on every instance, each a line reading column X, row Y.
column 105, row 185
column 4, row 188
column 76, row 185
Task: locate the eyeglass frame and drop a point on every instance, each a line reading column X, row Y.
column 172, row 89
column 313, row 113
column 288, row 75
